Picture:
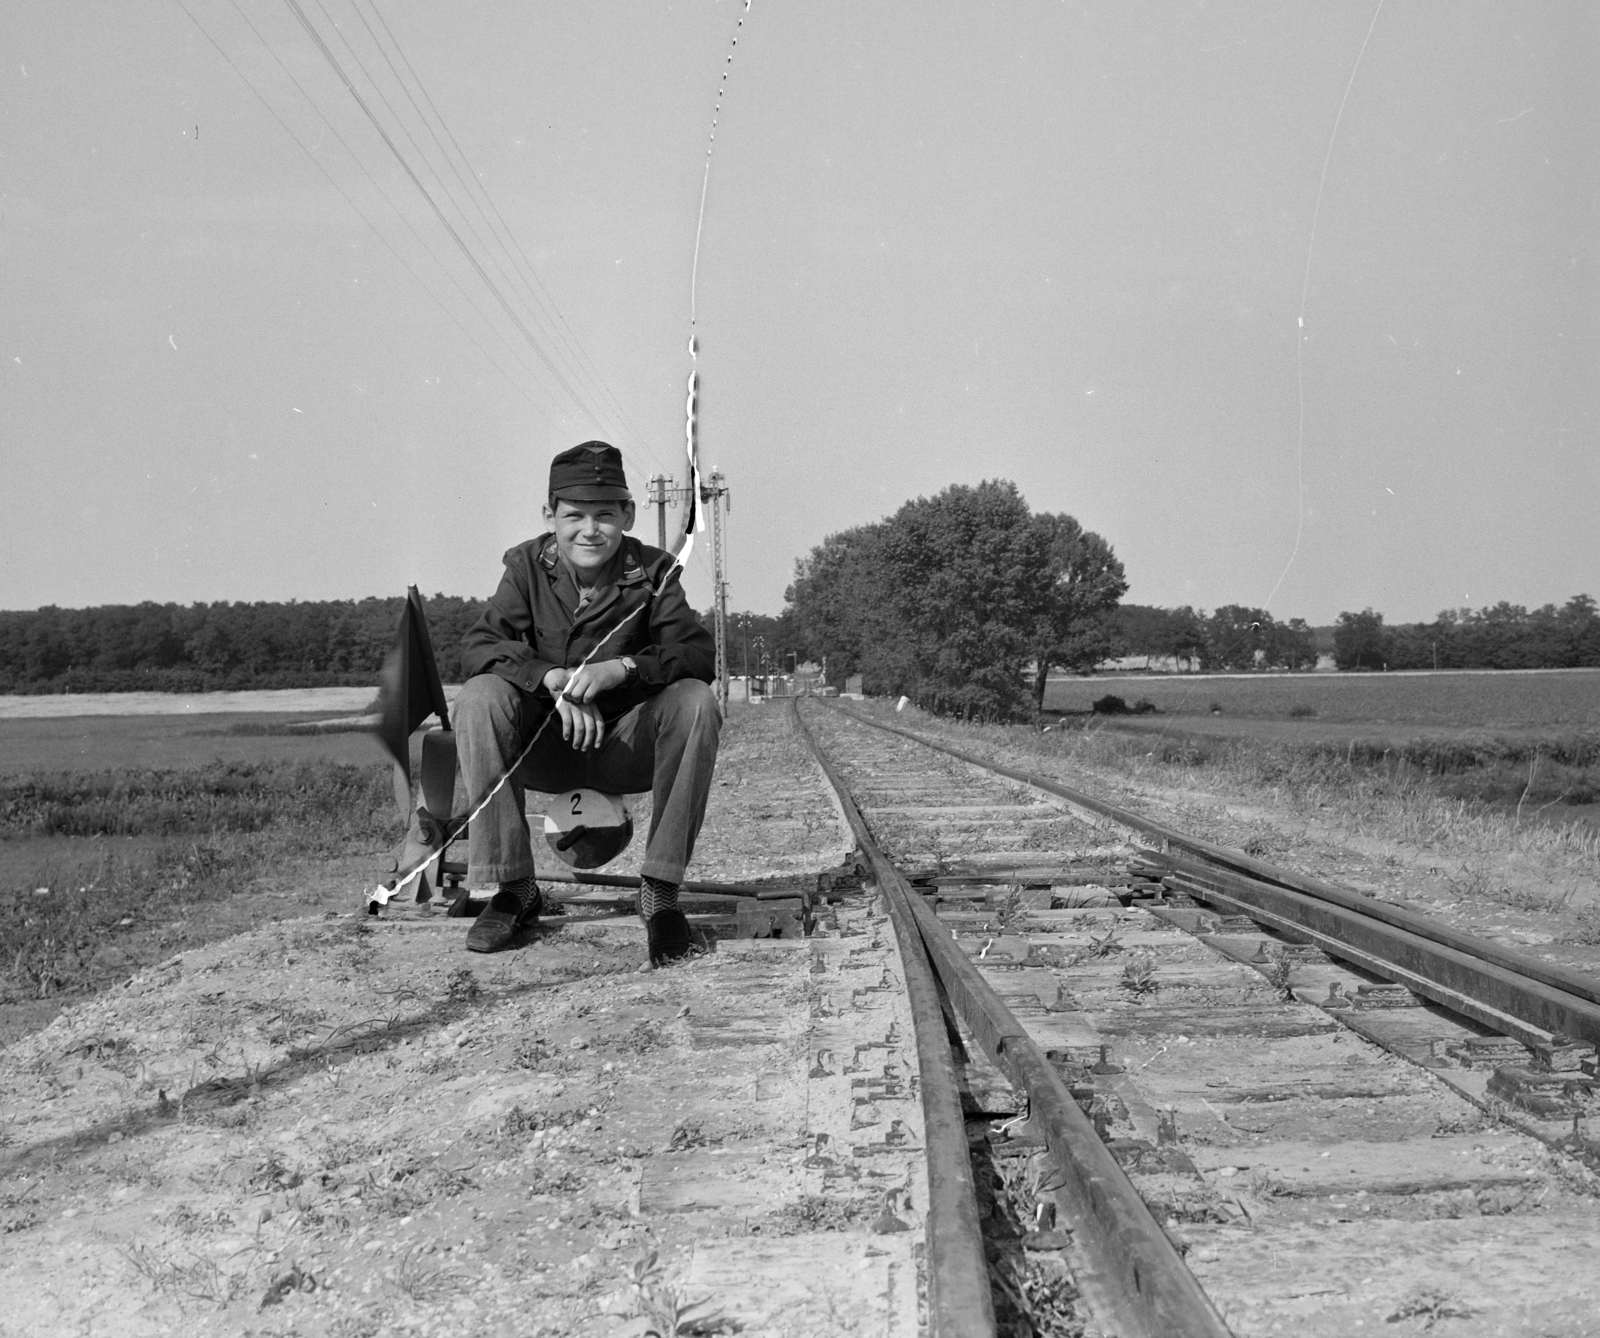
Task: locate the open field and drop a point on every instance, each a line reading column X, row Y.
column 193, row 1151
column 193, row 826
column 126, row 838
column 1386, row 829
column 311, row 701
column 1523, row 744
column 152, row 834
column 103, row 871
column 1513, row 701
column 446, row 1142
column 96, row 743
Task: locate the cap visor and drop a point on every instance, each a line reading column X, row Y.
column 593, row 492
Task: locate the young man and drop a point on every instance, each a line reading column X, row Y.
column 586, row 609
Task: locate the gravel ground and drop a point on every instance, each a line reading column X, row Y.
column 332, row 1126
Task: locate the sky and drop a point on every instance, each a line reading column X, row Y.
column 1296, row 305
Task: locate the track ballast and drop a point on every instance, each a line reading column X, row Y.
column 1315, row 1147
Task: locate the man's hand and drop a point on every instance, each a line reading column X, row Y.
column 581, row 724
column 575, row 691
column 587, row 683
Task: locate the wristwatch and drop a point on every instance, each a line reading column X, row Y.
column 632, row 669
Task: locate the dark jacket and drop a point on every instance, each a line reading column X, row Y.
column 529, row 627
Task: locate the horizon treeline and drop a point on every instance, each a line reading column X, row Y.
column 217, row 647
column 1500, row 636
column 210, row 647
column 1230, row 638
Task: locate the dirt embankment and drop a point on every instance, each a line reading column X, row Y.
column 332, row 1126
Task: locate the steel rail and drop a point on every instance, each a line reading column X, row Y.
column 1434, row 957
column 1141, row 1277
column 960, row 1300
column 631, row 881
column 585, row 878
column 1456, row 980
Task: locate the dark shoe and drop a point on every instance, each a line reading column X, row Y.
column 497, row 927
column 465, row 906
column 668, row 933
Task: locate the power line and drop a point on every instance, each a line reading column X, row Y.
column 360, row 213
column 443, row 185
column 548, row 407
column 474, row 187
column 455, row 236
column 519, row 257
column 579, row 381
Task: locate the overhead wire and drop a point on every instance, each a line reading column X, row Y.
column 356, row 208
column 515, row 350
column 495, row 291
column 450, row 162
column 399, row 121
column 519, row 257
column 571, row 371
column 442, row 184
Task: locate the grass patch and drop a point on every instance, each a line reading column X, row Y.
column 1507, row 791
column 1470, row 801
column 126, row 859
column 1554, row 699
column 62, row 938
column 347, row 724
column 1586, row 926
column 327, row 803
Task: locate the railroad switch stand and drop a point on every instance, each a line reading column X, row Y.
column 409, row 692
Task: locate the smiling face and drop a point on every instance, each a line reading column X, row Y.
column 588, row 534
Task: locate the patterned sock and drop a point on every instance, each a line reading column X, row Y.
column 526, row 891
column 656, row 894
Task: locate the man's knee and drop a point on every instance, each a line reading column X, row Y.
column 485, row 702
column 690, row 704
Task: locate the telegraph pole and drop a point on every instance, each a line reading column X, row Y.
column 663, row 493
column 714, row 493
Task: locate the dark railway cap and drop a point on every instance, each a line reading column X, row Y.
column 589, row 472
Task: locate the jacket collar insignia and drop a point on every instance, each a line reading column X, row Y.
column 633, row 572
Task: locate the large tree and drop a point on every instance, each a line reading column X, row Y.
column 1360, row 641
column 967, row 573
column 950, row 598
column 836, row 598
column 1073, row 627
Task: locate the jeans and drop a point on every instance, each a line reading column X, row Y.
column 666, row 745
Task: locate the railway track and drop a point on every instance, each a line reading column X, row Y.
column 1063, row 1071
column 1169, row 1089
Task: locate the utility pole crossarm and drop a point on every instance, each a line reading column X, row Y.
column 714, row 494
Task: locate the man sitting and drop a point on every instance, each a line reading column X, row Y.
column 590, row 624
